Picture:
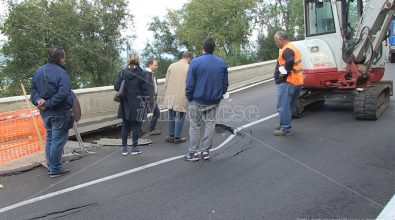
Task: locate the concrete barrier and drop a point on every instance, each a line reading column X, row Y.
column 99, row 110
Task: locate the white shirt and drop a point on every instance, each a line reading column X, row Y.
column 153, row 79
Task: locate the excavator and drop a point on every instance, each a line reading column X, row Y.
column 343, row 55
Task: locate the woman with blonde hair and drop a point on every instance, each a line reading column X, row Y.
column 134, row 103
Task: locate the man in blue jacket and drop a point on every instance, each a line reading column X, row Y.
column 51, row 93
column 207, row 82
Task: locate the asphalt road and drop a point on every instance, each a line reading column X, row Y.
column 333, row 167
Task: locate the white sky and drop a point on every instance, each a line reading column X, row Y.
column 143, row 11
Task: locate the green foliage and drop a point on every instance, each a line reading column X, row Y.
column 231, row 24
column 226, row 21
column 163, row 64
column 88, row 30
column 267, row 48
column 165, row 47
column 272, row 16
column 165, row 41
column 186, row 29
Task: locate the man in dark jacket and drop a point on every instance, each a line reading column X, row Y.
column 207, row 82
column 51, row 93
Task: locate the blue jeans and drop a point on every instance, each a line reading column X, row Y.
column 155, row 117
column 57, row 135
column 287, row 95
column 175, row 126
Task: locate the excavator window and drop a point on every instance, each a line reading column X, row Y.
column 319, row 17
column 352, row 15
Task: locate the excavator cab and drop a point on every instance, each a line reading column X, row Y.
column 335, row 23
column 319, row 18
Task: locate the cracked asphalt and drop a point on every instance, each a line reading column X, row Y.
column 333, row 167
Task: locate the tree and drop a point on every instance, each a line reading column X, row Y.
column 165, row 47
column 185, row 29
column 271, row 16
column 267, row 49
column 88, row 30
column 226, row 21
column 101, row 39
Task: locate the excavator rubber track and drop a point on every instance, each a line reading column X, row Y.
column 372, row 102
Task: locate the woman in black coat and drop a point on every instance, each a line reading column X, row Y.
column 134, row 103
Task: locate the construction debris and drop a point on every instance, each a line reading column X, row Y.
column 118, row 142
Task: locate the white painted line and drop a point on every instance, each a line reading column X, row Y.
column 388, row 212
column 257, row 122
column 252, row 85
column 243, row 127
column 134, row 170
column 230, row 92
column 73, row 188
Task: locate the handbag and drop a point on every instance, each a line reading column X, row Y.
column 119, row 96
column 70, row 120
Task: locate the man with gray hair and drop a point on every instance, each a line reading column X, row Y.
column 175, row 97
column 288, row 77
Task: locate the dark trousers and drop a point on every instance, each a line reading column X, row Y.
column 135, row 127
column 155, row 117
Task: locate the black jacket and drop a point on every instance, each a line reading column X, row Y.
column 152, row 83
column 134, row 105
column 51, row 82
column 289, row 57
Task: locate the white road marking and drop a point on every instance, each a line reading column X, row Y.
column 388, row 212
column 252, row 85
column 230, row 92
column 134, row 170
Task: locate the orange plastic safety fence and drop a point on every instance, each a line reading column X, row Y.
column 18, row 136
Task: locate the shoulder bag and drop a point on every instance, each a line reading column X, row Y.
column 121, row 92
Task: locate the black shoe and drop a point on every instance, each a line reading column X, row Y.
column 191, row 157
column 59, row 173
column 179, row 140
column 169, row 139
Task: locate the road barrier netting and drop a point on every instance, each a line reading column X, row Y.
column 18, row 136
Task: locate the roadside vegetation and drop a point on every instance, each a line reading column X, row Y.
column 91, row 33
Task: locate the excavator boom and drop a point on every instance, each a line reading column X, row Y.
column 372, row 30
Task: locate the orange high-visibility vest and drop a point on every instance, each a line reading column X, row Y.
column 294, row 77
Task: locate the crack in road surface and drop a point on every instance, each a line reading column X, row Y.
column 64, row 211
column 241, row 151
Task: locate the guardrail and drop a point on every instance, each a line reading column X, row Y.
column 99, row 110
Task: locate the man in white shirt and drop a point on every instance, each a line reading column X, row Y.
column 152, row 66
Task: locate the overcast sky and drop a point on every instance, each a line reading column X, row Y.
column 144, row 11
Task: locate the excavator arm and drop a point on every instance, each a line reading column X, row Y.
column 372, row 31
column 373, row 26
